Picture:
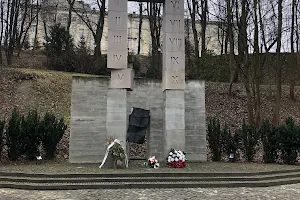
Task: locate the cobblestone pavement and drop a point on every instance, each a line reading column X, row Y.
column 280, row 192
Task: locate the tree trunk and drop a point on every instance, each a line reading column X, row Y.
column 71, row 5
column 204, row 8
column 36, row 31
column 140, row 27
column 294, row 58
column 2, row 29
column 276, row 114
column 192, row 10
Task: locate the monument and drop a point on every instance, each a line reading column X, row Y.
column 177, row 108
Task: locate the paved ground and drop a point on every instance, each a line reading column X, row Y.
column 287, row 192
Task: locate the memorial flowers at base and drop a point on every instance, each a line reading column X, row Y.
column 176, row 159
column 152, row 163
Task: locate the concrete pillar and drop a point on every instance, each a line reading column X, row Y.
column 174, row 75
column 121, row 76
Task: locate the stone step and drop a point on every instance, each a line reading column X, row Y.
column 144, row 185
column 145, row 179
column 152, row 174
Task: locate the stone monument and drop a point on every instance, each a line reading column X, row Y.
column 177, row 109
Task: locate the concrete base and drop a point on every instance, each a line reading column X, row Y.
column 116, row 120
column 174, row 120
column 98, row 112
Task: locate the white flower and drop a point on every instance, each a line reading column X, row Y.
column 178, row 155
column 175, row 152
column 172, row 159
column 176, row 159
column 156, row 165
column 174, row 155
column 169, row 159
column 183, row 160
column 170, row 153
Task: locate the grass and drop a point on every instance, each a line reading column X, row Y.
column 58, row 167
column 48, row 91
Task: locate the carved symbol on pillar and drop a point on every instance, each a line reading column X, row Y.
column 175, row 4
column 120, row 76
column 117, row 57
column 175, row 22
column 118, row 20
column 175, row 41
column 117, row 38
column 174, row 60
column 175, row 79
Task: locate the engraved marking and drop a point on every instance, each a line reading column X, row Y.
column 174, row 60
column 117, row 38
column 120, row 76
column 175, row 79
column 117, row 57
column 176, row 41
column 175, row 22
column 175, row 4
column 118, row 20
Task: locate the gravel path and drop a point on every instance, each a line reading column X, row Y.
column 286, row 192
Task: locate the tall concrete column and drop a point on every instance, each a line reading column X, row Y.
column 174, row 75
column 121, row 76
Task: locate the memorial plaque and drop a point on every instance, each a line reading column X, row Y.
column 122, row 78
column 117, row 20
column 117, row 5
column 116, row 59
column 117, row 40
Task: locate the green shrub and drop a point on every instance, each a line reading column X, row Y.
column 30, row 135
column 52, row 130
column 230, row 142
column 13, row 135
column 289, row 141
column 269, row 140
column 249, row 138
column 214, row 137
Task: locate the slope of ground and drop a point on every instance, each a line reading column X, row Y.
column 51, row 91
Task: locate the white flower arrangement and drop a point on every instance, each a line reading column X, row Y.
column 176, row 159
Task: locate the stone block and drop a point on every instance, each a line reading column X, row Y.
column 173, row 80
column 117, row 59
column 122, row 78
column 175, row 7
column 173, row 24
column 117, row 40
column 174, row 42
column 117, row 5
column 117, row 20
column 174, row 60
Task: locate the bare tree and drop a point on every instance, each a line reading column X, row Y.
column 154, row 11
column 140, row 27
column 276, row 114
column 71, row 6
column 193, row 8
column 2, row 28
column 203, row 17
column 94, row 25
column 294, row 57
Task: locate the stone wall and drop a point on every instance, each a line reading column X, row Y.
column 89, row 117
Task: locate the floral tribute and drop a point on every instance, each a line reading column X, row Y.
column 176, row 159
column 152, row 163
